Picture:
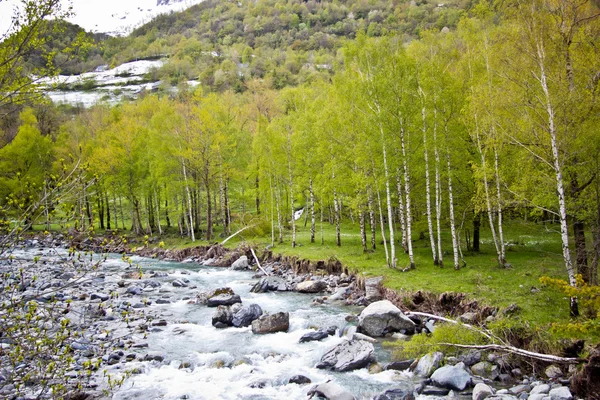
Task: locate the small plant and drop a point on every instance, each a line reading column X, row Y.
column 443, row 336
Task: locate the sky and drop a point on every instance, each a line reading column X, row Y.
column 111, row 16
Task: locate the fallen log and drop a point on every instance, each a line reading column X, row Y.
column 504, row 347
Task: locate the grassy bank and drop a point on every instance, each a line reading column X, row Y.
column 534, row 251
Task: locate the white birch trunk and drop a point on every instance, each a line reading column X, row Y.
column 455, row 248
column 385, row 247
column 401, row 210
column 499, row 194
column 390, row 211
column 157, row 210
column 438, row 191
column 403, row 141
column 372, row 221
column 312, row 211
column 560, row 190
column 488, row 202
column 189, row 201
column 427, row 182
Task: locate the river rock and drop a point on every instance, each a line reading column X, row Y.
column 101, row 296
column 428, row 363
column 482, row 391
column 269, row 283
column 240, row 264
column 331, row 391
column 222, row 317
column 453, row 377
column 553, row 372
column 372, row 289
column 311, row 286
column 279, row 322
column 540, row 389
column 404, row 391
column 561, row 393
column 225, row 299
column 383, row 317
column 348, row 355
column 299, row 380
column 245, row 315
column 134, row 290
column 485, row 369
column 313, row 336
column 399, row 365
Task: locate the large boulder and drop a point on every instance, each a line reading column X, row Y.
column 486, row 369
column 269, row 283
column 246, row 315
column 428, row 363
column 331, row 391
column 222, row 297
column 453, row 377
column 240, row 264
column 279, row 322
column 560, row 393
column 348, row 355
column 311, row 286
column 383, row 317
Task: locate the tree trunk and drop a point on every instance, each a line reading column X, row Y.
column 312, row 211
column 108, row 226
column 476, row 232
column 190, row 220
column 157, row 209
column 382, row 223
column 390, row 211
column 403, row 141
column 428, row 183
column 363, row 231
column 401, row 211
column 336, row 209
column 279, row 215
column 257, row 194
column 372, row 221
column 100, row 205
column 455, row 244
column 562, row 204
column 488, row 201
column 438, row 192
column 499, row 198
column 209, row 221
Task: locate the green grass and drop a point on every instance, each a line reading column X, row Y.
column 534, row 251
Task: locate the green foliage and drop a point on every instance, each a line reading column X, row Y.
column 440, row 340
column 589, row 299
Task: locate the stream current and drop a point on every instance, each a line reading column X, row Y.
column 203, row 362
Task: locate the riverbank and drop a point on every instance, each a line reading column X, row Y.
column 332, row 284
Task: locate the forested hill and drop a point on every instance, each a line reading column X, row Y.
column 226, row 42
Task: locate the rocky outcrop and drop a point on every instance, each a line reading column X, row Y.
column 279, row 322
column 383, row 317
column 348, row 355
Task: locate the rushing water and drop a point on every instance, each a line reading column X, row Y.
column 202, row 362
